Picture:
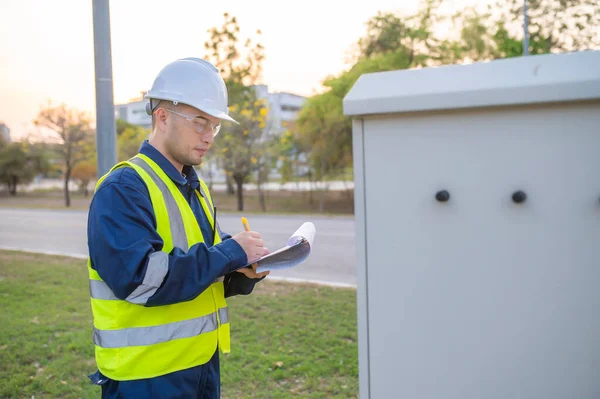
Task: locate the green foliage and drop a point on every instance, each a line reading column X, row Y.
column 554, row 26
column 20, row 163
column 391, row 43
column 129, row 139
column 325, row 133
column 239, row 147
column 557, row 25
column 285, row 150
column 122, row 125
column 394, row 42
column 225, row 51
column 507, row 45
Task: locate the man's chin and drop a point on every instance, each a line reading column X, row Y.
column 195, row 160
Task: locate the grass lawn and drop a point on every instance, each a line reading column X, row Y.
column 288, row 340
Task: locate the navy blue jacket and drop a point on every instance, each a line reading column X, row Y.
column 122, row 234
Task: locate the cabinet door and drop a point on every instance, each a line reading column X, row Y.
column 480, row 296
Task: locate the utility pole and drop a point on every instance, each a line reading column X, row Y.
column 525, row 29
column 106, row 130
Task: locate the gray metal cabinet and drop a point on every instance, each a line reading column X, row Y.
column 478, row 229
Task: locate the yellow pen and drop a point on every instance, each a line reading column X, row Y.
column 245, row 223
column 247, row 228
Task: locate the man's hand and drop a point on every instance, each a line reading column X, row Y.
column 254, row 247
column 250, row 271
column 252, row 244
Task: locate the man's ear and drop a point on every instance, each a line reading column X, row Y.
column 160, row 116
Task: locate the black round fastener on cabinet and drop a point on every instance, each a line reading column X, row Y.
column 519, row 197
column 442, row 196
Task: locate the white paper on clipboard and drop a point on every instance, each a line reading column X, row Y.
column 296, row 250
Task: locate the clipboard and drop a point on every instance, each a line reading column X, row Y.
column 296, row 251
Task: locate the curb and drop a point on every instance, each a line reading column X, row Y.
column 37, row 251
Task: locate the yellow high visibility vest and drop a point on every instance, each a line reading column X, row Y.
column 133, row 341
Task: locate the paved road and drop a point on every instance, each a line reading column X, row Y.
column 332, row 259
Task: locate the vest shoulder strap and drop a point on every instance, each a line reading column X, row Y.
column 117, row 166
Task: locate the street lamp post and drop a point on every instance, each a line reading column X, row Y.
column 525, row 29
column 106, row 135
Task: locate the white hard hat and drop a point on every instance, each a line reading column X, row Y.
column 192, row 81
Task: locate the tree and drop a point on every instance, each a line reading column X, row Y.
column 391, row 43
column 326, row 133
column 129, row 139
column 85, row 172
column 555, row 25
column 239, row 146
column 239, row 72
column 20, row 163
column 122, row 125
column 73, row 130
column 286, row 151
column 409, row 35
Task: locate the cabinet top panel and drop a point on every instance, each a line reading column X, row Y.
column 512, row 81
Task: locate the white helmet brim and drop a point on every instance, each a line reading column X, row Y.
column 195, row 82
column 220, row 115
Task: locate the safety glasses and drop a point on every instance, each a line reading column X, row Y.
column 199, row 123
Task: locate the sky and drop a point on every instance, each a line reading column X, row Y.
column 47, row 47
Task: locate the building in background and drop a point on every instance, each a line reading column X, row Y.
column 5, row 132
column 283, row 109
column 134, row 112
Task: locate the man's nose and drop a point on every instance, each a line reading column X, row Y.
column 209, row 136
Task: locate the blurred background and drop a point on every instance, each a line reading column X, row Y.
column 288, row 66
column 293, row 153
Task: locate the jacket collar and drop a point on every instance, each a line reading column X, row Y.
column 190, row 177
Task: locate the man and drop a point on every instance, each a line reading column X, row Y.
column 160, row 268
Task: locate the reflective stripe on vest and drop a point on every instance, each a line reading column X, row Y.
column 175, row 219
column 140, row 336
column 158, row 266
column 134, row 341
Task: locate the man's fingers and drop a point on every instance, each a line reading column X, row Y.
column 245, row 271
column 250, row 272
column 260, row 275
